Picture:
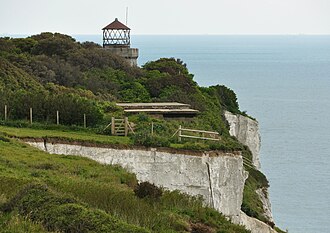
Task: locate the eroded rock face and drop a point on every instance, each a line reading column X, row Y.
column 246, row 131
column 252, row 224
column 264, row 197
column 218, row 179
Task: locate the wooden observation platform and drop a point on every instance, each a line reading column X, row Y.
column 167, row 110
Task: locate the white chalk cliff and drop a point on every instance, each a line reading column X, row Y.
column 217, row 176
column 246, row 130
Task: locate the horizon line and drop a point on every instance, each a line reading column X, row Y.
column 142, row 34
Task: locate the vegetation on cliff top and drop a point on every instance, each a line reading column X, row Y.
column 52, row 72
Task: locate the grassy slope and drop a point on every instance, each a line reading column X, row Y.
column 64, row 134
column 108, row 188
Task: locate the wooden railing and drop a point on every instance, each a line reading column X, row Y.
column 197, row 134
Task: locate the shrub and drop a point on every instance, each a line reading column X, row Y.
column 60, row 213
column 144, row 138
column 201, row 228
column 200, row 146
column 171, row 66
column 226, row 97
column 146, row 189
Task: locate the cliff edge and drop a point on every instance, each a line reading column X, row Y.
column 246, row 130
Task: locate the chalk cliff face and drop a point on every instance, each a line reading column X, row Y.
column 252, row 224
column 246, row 131
column 218, row 178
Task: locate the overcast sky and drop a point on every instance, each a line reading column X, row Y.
column 167, row 16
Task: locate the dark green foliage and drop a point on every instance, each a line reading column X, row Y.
column 158, row 85
column 146, row 189
column 71, row 107
column 53, row 44
column 168, row 80
column 171, row 66
column 144, row 138
column 252, row 205
column 226, row 97
column 134, row 92
column 143, row 135
column 60, row 213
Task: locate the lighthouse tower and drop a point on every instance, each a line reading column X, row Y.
column 117, row 39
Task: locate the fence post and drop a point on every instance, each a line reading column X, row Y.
column 112, row 126
column 31, row 116
column 152, row 128
column 5, row 112
column 57, row 117
column 84, row 120
column 179, row 135
column 126, row 126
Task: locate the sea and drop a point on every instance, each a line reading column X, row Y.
column 284, row 82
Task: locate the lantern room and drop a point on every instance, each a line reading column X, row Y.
column 117, row 39
column 116, row 35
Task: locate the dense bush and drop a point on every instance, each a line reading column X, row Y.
column 201, row 228
column 145, row 138
column 171, row 66
column 44, row 105
column 64, row 214
column 146, row 189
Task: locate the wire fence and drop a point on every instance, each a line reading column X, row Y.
column 31, row 119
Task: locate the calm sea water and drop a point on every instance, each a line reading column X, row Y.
column 283, row 81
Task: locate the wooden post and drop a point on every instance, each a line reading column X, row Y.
column 152, row 128
column 112, row 125
column 31, row 116
column 179, row 134
column 57, row 117
column 84, row 120
column 5, row 112
column 126, row 126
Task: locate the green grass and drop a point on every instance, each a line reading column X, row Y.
column 100, row 187
column 69, row 135
column 15, row 223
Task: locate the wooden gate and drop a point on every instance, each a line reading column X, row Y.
column 119, row 127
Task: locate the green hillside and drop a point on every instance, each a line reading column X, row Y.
column 52, row 72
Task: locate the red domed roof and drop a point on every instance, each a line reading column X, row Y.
column 116, row 25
